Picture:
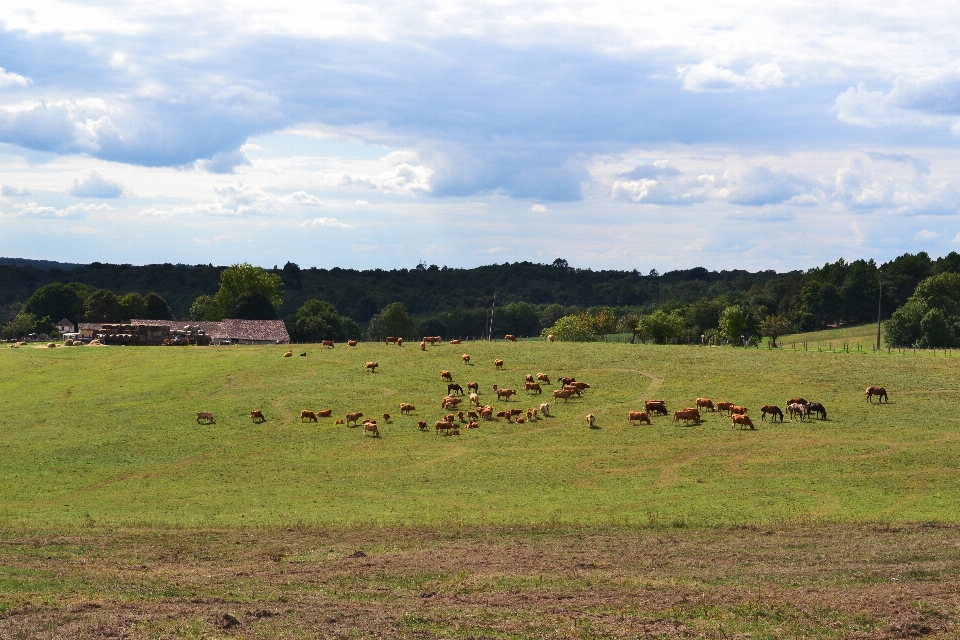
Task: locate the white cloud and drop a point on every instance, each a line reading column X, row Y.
column 95, row 186
column 326, row 222
column 34, row 210
column 926, row 234
column 303, row 198
column 709, row 76
column 10, row 79
column 224, row 162
column 12, row 192
column 539, row 208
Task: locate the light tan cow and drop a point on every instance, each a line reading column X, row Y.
column 590, row 421
column 372, row 366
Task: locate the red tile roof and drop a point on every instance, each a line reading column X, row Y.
column 256, row 330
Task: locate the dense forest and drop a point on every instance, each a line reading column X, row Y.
column 529, row 297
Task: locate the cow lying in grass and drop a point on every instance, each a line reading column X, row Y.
column 206, row 416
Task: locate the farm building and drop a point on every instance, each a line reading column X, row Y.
column 65, row 326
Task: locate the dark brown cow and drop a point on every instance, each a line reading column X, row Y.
column 658, row 407
column 638, row 416
column 309, row 415
column 466, row 358
column 528, row 378
column 453, row 388
column 566, row 381
column 705, row 403
column 390, row 340
column 386, row 418
column 510, row 337
column 422, row 425
column 257, row 416
column 743, row 421
column 351, row 343
column 327, row 343
column 724, row 406
column 773, row 410
column 880, row 392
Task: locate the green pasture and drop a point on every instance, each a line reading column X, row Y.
column 862, row 334
column 108, row 436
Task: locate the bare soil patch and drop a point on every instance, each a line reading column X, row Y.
column 830, row 581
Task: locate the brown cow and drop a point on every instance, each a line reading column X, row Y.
column 257, row 416
column 498, row 364
column 288, row 354
column 796, row 401
column 544, row 378
column 386, row 418
column 563, row 393
column 446, row 375
column 528, row 378
column 566, row 381
column 454, row 342
column 390, row 340
column 372, row 366
column 399, row 342
column 205, row 415
column 686, row 415
column 504, row 414
column 454, row 387
column 880, row 392
column 353, row 417
column 521, row 421
column 325, row 413
column 533, row 386
column 473, row 415
column 440, row 425
column 516, row 412
column 505, row 393
column 705, row 403
column 473, row 425
column 460, row 416
column 473, row 386
column 466, row 358
column 406, row 408
column 486, row 413
column 450, row 402
column 510, row 337
column 433, row 340
column 338, row 422
column 743, row 421
column 724, row 406
column 550, row 338
column 641, row 416
column 449, row 417
column 423, row 346
column 371, row 427
column 773, row 410
column 422, row 425
column 351, row 343
column 576, row 390
column 309, row 415
column 655, row 406
column 737, row 410
column 327, row 343
column 590, row 421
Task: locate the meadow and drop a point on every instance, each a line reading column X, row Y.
column 121, row 516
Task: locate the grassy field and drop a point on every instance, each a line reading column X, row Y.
column 120, row 516
column 862, row 334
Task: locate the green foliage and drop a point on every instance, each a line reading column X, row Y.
column 56, row 301
column 132, row 306
column 775, row 326
column 101, row 306
column 659, row 326
column 20, row 326
column 392, row 321
column 903, row 328
column 250, row 285
column 157, row 308
column 254, row 306
column 934, row 331
column 931, row 316
column 205, row 308
column 574, row 328
column 605, row 321
column 317, row 320
column 733, row 325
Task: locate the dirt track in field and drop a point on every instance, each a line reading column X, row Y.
column 842, row 581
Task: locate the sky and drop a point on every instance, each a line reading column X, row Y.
column 641, row 135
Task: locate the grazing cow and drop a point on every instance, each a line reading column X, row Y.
column 570, row 387
column 516, row 412
column 686, row 415
column 423, row 346
column 880, row 392
column 422, row 425
column 545, row 409
column 386, row 418
column 705, row 403
column 454, row 342
column 563, row 393
column 724, row 406
column 460, row 416
column 655, row 406
column 449, row 417
column 498, row 364
column 327, row 343
column 446, row 375
column 566, row 381
column 817, row 408
column 288, row 354
column 798, row 410
column 351, row 343
column 399, row 342
column 737, row 410
column 796, row 401
column 504, row 414
column 453, row 432
column 533, row 386
column 475, row 399
column 773, row 410
column 309, row 415
column 338, row 422
column 505, row 393
column 590, row 421
column 466, row 358
column 528, row 378
column 257, row 416
column 454, row 388
column 406, row 408
column 325, row 413
column 544, row 378
column 433, row 340
column 550, row 338
column 371, row 427
column 372, row 366
column 390, row 340
column 450, row 402
column 510, row 337
column 473, row 386
column 579, row 386
column 473, row 415
column 743, row 421
column 473, row 425
column 440, row 425
column 353, row 417
column 638, row 416
column 486, row 413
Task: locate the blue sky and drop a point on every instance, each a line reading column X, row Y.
column 748, row 135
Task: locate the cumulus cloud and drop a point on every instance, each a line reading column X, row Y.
column 539, row 208
column 404, row 179
column 657, row 170
column 760, row 186
column 304, row 199
column 34, row 210
column 326, row 222
column 709, row 76
column 13, row 192
column 926, row 234
column 224, row 162
column 95, row 186
column 10, row 79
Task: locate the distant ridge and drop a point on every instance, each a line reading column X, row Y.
column 45, row 265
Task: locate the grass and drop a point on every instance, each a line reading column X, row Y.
column 108, row 436
column 862, row 334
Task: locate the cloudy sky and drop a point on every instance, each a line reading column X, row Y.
column 639, row 135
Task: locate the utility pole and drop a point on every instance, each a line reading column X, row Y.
column 879, row 301
column 490, row 326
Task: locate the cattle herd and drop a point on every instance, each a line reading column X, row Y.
column 797, row 408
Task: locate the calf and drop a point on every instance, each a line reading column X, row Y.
column 460, row 416
column 386, row 418
column 371, row 366
column 533, row 386
column 550, row 338
column 545, row 409
column 450, row 402
column 288, row 354
column 544, row 378
column 338, row 422
column 453, row 388
column 498, row 364
column 505, row 393
column 406, row 408
column 422, row 425
column 473, row 415
column 325, row 413
column 638, row 416
column 473, row 386
column 486, row 413
column 474, row 399
column 520, row 421
column 446, row 375
column 742, row 420
column 423, row 346
column 257, row 416
column 516, row 412
column 205, row 415
column 309, row 415
column 590, row 420
column 473, row 425
column 353, row 417
column 327, row 343
column 466, row 358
